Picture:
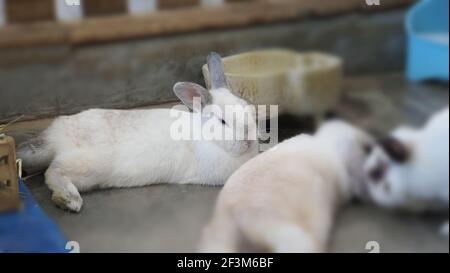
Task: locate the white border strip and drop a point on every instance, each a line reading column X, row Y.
column 2, row 13
column 68, row 10
column 141, row 6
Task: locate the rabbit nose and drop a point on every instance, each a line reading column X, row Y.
column 377, row 173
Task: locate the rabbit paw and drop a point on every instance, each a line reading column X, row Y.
column 71, row 202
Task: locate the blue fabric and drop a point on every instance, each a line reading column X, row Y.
column 29, row 229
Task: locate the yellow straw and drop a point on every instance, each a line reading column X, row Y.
column 3, row 127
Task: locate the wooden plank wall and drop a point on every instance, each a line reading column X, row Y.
column 173, row 4
column 27, row 11
column 37, row 22
column 104, row 7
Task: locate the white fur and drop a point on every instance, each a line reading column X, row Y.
column 284, row 200
column 421, row 183
column 127, row 148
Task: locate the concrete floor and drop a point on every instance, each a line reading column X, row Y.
column 169, row 218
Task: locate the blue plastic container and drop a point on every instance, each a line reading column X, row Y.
column 29, row 230
column 427, row 30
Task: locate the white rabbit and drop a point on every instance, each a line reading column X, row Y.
column 284, row 200
column 126, row 148
column 409, row 170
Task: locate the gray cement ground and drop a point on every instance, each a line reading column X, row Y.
column 169, row 218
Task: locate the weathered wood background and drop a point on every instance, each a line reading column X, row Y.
column 38, row 22
column 113, row 59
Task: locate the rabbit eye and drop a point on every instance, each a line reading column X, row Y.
column 223, row 122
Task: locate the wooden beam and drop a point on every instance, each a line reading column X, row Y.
column 104, row 7
column 25, row 11
column 175, row 4
column 117, row 27
column 42, row 33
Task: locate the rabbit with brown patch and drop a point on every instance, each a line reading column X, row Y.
column 410, row 169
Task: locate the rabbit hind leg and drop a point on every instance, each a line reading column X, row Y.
column 66, row 176
column 64, row 193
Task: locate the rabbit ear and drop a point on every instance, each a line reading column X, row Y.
column 216, row 72
column 396, row 149
column 187, row 91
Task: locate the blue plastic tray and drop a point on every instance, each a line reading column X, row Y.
column 427, row 30
column 29, row 229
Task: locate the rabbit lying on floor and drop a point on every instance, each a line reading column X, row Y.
column 284, row 200
column 113, row 148
column 410, row 169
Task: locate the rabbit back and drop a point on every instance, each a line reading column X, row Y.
column 124, row 147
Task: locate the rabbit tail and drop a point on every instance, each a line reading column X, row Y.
column 250, row 234
column 36, row 154
column 278, row 236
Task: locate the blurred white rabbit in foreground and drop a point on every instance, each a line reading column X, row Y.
column 285, row 199
column 125, row 148
column 410, row 169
